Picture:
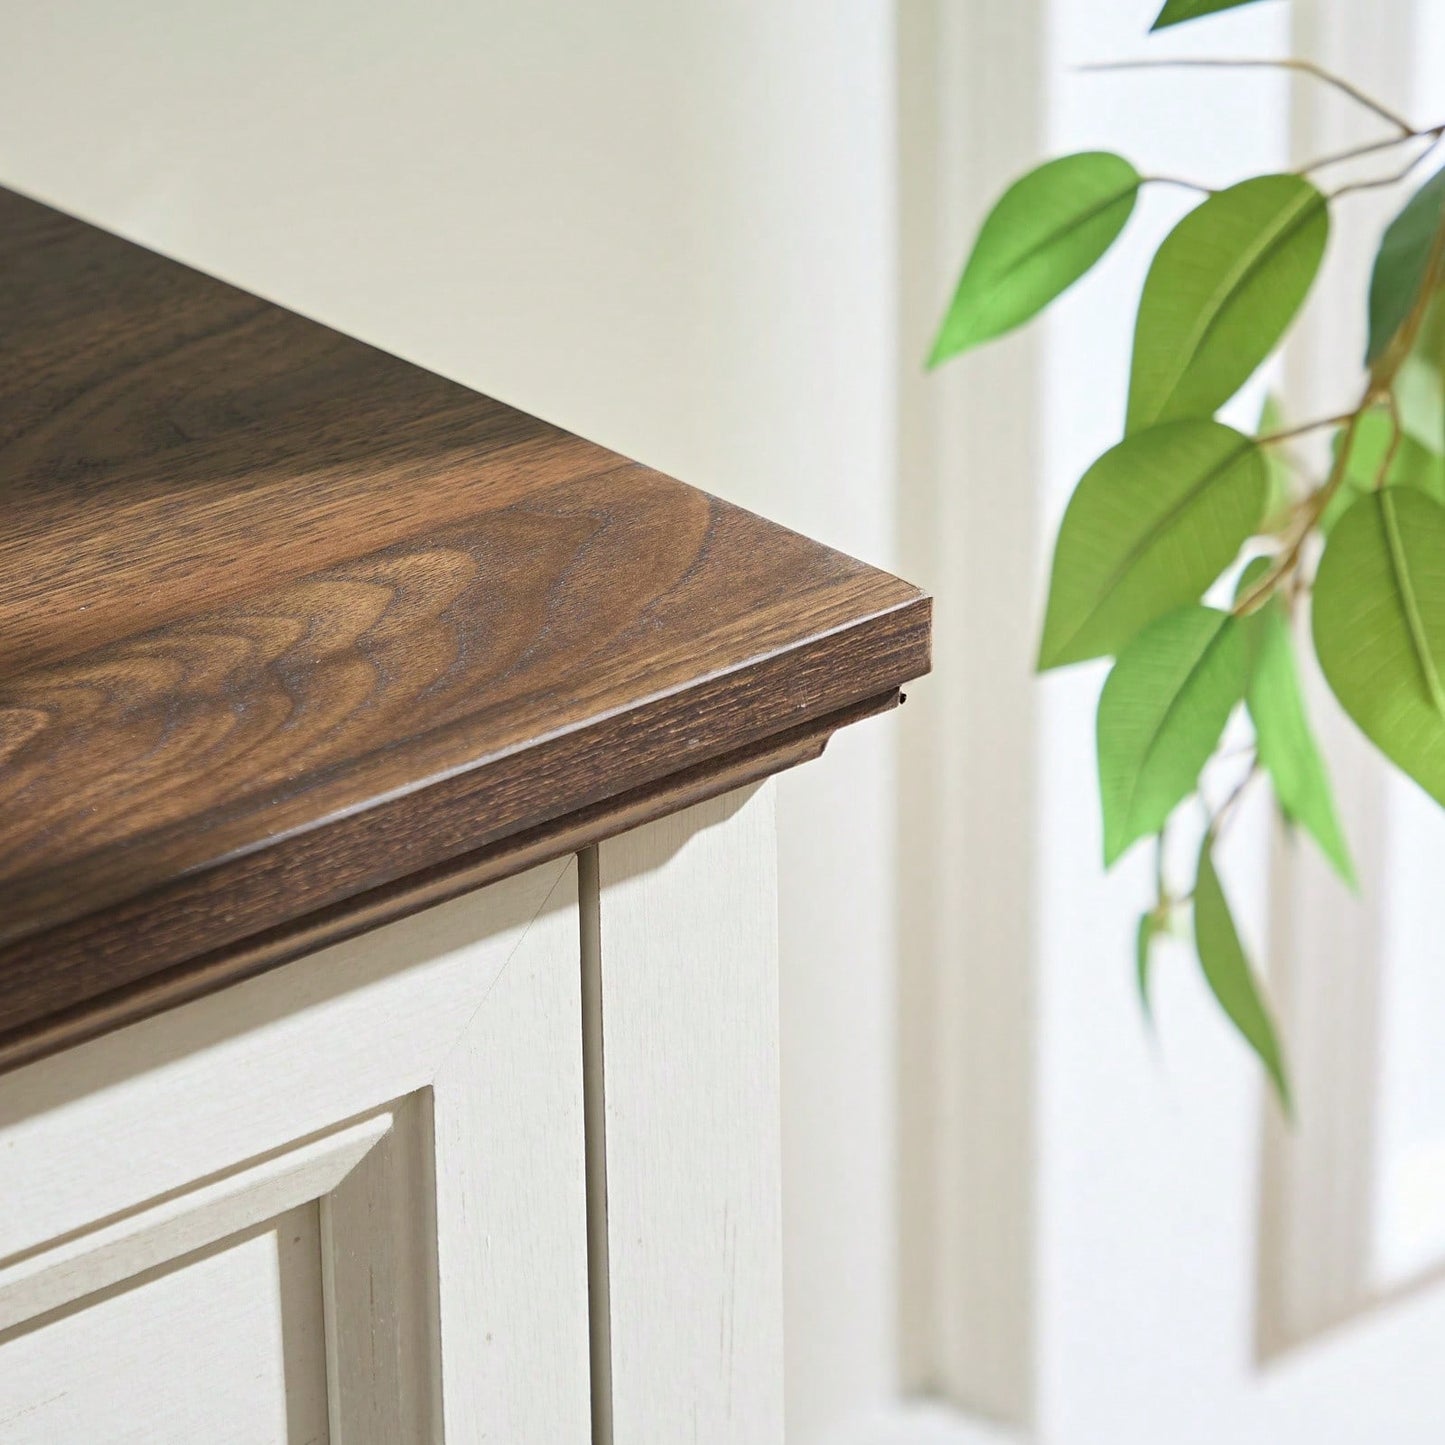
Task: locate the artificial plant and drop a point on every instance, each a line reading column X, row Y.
column 1169, row 513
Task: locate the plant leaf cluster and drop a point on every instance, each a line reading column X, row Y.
column 1163, row 519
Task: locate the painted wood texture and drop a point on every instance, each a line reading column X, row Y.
column 224, row 1346
column 178, row 1224
column 418, row 1093
column 685, row 956
column 285, row 622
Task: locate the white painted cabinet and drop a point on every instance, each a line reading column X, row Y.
column 349, row 1200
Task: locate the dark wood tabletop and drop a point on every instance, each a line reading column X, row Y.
column 297, row 637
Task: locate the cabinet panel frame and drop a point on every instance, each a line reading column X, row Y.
column 424, row 1084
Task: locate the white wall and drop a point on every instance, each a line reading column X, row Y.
column 665, row 226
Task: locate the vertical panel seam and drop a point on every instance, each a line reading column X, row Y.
column 594, row 1113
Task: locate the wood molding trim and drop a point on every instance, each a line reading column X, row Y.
column 569, row 834
column 165, row 1229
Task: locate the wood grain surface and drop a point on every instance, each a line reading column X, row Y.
column 285, row 621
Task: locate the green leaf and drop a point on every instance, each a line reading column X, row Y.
column 1271, row 414
column 1160, row 715
column 1250, row 577
column 1420, row 397
column 1220, row 292
column 1150, row 526
column 1149, row 929
column 1279, row 493
column 1228, row 974
column 1348, row 493
column 1176, row 12
column 1427, row 361
column 1379, row 627
column 1046, row 231
column 1411, row 466
column 1251, row 624
column 1287, row 746
column 1430, row 343
column 1401, row 262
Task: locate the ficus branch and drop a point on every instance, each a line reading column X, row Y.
column 1388, row 460
column 1166, row 901
column 1303, row 67
column 1275, row 437
column 1178, row 181
column 1434, row 133
column 1378, row 387
column 1226, row 810
column 1311, row 510
column 1393, row 179
column 1214, row 825
column 1234, row 274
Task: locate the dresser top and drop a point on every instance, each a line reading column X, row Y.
column 296, row 636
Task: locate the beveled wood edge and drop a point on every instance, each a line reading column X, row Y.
column 197, row 914
column 570, row 833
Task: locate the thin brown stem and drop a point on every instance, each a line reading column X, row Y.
column 1309, row 514
column 1388, row 460
column 1377, row 387
column 1303, row 67
column 1177, row 181
column 1226, row 810
column 1239, row 750
column 1270, row 438
column 1383, row 373
column 1358, row 152
column 1391, row 180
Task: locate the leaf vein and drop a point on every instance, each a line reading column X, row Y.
column 1246, row 265
column 1073, row 223
column 1167, row 520
column 1395, row 548
column 1167, row 716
